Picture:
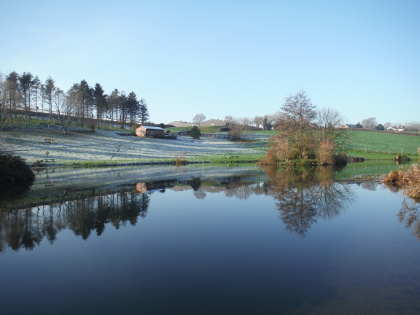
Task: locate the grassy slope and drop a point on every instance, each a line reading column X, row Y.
column 375, row 145
column 370, row 141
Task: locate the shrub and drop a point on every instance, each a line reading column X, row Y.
column 340, row 159
column 16, row 175
column 394, row 178
column 306, row 148
column 401, row 158
column 269, row 159
column 409, row 180
column 195, row 132
column 180, row 160
column 326, row 153
column 235, row 132
column 91, row 124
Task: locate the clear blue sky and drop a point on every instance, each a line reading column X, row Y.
column 239, row 58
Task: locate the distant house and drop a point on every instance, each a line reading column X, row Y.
column 150, row 131
column 395, row 129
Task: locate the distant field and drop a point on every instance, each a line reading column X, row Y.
column 372, row 144
column 207, row 129
column 370, row 141
column 375, row 145
column 262, row 132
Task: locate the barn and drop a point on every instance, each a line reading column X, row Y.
column 150, row 131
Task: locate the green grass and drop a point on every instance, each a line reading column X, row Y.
column 226, row 159
column 373, row 145
column 262, row 132
column 216, row 129
column 371, row 141
column 32, row 122
column 378, row 155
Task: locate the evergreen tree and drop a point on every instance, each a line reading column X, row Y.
column 143, row 111
column 49, row 88
column 132, row 107
column 100, row 101
column 25, row 81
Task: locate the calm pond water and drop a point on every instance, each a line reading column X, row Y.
column 275, row 243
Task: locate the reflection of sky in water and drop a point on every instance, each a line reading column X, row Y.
column 212, row 250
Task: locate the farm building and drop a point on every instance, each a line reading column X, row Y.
column 150, row 131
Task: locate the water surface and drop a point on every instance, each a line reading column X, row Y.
column 260, row 243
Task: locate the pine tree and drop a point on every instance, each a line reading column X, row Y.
column 143, row 111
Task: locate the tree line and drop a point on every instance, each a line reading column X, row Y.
column 26, row 93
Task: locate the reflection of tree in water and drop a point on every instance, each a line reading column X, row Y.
column 26, row 228
column 306, row 195
column 239, row 190
column 302, row 198
column 409, row 214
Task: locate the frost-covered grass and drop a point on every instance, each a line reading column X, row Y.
column 107, row 146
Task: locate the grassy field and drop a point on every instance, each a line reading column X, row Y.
column 370, row 141
column 203, row 129
column 374, row 145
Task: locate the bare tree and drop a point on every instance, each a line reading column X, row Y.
column 258, row 121
column 35, row 88
column 12, row 91
column 65, row 109
column 245, row 122
column 228, row 121
column 369, row 123
column 199, row 118
column 297, row 138
column 413, row 126
column 2, row 98
column 329, row 118
column 235, row 132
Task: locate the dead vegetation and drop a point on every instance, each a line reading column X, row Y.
column 180, row 160
column 408, row 180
